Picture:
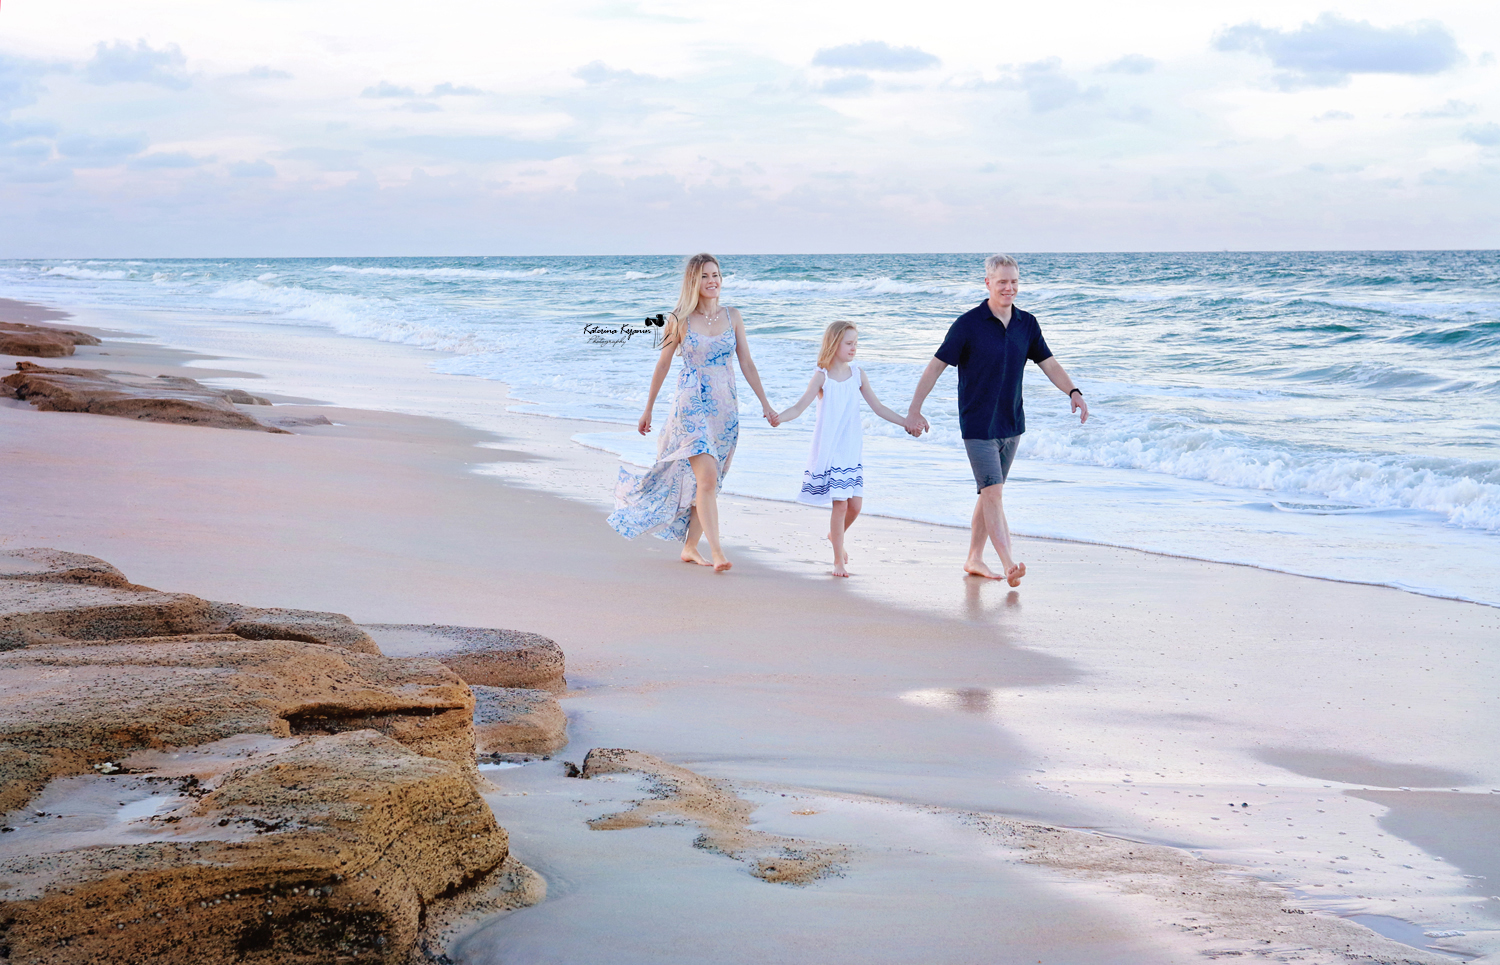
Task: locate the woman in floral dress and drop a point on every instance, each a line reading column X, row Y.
column 677, row 498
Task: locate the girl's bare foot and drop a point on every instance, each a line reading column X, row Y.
column 720, row 564
column 693, row 556
column 1014, row 574
column 979, row 569
column 838, row 569
column 829, row 537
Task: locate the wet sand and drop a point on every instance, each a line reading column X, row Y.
column 1139, row 695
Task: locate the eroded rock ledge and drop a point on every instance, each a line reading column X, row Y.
column 18, row 338
column 190, row 781
column 166, row 398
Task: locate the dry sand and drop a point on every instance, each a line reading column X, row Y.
column 924, row 720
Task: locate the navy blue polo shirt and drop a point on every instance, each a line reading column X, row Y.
column 991, row 357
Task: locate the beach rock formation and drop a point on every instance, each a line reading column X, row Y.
column 188, row 781
column 51, row 596
column 488, row 657
column 517, row 721
column 42, row 565
column 18, row 338
column 679, row 795
column 165, row 398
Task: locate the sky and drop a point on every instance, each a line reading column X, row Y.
column 178, row 128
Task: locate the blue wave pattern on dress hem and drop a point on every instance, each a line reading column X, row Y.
column 817, row 486
column 705, row 421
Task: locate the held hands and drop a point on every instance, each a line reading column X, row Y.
column 771, row 416
column 915, row 424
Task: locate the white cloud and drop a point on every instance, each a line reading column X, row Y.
column 120, row 63
column 598, row 72
column 386, row 89
column 1047, row 86
column 86, row 151
column 1454, row 108
column 1136, row 132
column 167, row 159
column 1485, row 135
column 1326, row 51
column 252, row 169
column 875, row 55
column 1130, row 64
column 446, row 89
column 847, row 85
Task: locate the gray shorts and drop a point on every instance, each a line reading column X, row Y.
column 990, row 459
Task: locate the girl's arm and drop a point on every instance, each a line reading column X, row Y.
column 812, row 391
column 658, row 376
column 747, row 366
column 876, row 405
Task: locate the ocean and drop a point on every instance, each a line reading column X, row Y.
column 1332, row 414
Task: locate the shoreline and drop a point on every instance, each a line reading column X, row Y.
column 1048, row 539
column 632, row 685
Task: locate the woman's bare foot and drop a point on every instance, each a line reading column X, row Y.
column 979, row 569
column 1014, row 574
column 838, row 568
column 693, row 556
column 720, row 564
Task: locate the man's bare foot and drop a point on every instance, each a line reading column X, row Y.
column 979, row 569
column 838, row 569
column 1014, row 574
column 721, row 565
column 693, row 556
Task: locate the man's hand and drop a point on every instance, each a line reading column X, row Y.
column 1079, row 406
column 915, row 425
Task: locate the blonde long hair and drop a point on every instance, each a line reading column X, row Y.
column 687, row 300
column 832, row 336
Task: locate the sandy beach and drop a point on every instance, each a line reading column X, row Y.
column 1130, row 758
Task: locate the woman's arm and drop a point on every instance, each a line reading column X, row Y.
column 658, row 376
column 813, row 386
column 747, row 366
column 876, row 405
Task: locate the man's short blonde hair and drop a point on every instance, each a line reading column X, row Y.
column 994, row 263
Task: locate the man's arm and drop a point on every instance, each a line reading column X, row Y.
column 915, row 424
column 1059, row 376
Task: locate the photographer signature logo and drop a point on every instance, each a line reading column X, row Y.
column 653, row 325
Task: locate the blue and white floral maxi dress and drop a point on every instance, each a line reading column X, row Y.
column 705, row 420
column 836, row 467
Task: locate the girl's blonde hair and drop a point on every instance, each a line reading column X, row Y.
column 687, row 300
column 832, row 336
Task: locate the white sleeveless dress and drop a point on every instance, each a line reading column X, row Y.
column 835, row 470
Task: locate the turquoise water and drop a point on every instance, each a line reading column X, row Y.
column 1331, row 413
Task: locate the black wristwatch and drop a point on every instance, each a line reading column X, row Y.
column 1079, row 391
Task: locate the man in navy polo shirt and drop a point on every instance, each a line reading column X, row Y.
column 990, row 345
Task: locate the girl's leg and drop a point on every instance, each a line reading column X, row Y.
column 855, row 504
column 837, row 522
column 690, row 552
column 706, row 506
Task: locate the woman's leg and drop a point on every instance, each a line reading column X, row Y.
column 706, row 506
column 837, row 522
column 690, row 552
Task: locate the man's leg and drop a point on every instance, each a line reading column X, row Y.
column 989, row 514
column 991, row 460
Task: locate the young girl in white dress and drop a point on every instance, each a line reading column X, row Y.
column 835, row 474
